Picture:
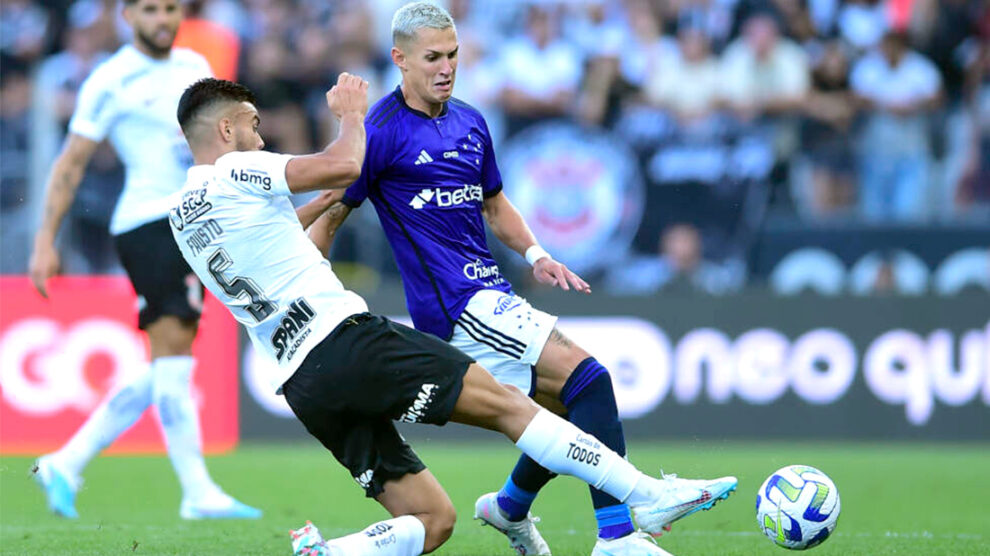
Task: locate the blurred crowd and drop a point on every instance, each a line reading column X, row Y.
column 825, row 111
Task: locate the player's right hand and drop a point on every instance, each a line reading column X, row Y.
column 43, row 265
column 349, row 95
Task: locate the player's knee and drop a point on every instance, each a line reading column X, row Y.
column 439, row 524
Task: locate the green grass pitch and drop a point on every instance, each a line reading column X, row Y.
column 911, row 499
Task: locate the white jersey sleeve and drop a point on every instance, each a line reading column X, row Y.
column 95, row 107
column 256, row 173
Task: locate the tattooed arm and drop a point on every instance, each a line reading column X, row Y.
column 325, row 228
column 67, row 172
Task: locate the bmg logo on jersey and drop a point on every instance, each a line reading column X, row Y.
column 253, row 177
column 447, row 198
column 294, row 328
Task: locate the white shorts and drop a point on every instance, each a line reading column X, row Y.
column 505, row 335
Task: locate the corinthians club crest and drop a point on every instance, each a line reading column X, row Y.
column 580, row 191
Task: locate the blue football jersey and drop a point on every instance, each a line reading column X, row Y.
column 427, row 179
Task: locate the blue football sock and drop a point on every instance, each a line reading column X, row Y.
column 520, row 489
column 590, row 403
column 613, row 521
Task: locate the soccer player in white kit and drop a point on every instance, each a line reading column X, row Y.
column 348, row 374
column 131, row 100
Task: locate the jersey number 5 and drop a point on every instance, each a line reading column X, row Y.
column 260, row 306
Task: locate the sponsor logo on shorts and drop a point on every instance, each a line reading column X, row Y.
column 252, row 177
column 583, row 455
column 203, row 236
column 293, row 330
column 192, row 206
column 507, row 303
column 364, row 479
column 423, row 400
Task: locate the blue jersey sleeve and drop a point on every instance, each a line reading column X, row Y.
column 374, row 163
column 491, row 178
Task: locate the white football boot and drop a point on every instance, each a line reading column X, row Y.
column 634, row 544
column 523, row 536
column 678, row 498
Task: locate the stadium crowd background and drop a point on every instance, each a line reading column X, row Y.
column 747, row 122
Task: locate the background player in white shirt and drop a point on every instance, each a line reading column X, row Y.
column 130, row 99
column 347, row 374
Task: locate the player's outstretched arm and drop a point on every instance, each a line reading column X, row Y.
column 67, row 172
column 323, row 231
column 510, row 228
column 308, row 213
column 339, row 164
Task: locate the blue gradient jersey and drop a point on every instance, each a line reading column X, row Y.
column 427, row 178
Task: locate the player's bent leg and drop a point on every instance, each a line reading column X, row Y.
column 423, row 519
column 563, row 448
column 59, row 474
column 171, row 341
column 568, row 373
column 421, row 496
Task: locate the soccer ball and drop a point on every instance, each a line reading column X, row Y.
column 797, row 507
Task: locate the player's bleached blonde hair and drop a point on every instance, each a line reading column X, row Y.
column 416, row 15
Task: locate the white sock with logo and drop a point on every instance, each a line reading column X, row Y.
column 566, row 450
column 115, row 414
column 179, row 421
column 400, row 536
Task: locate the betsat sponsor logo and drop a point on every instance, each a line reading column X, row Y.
column 423, row 400
column 447, row 198
column 252, row 177
column 293, row 328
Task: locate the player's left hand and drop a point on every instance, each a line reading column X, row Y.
column 551, row 272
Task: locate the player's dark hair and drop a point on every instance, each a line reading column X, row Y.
column 207, row 92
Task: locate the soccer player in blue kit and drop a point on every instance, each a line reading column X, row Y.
column 431, row 174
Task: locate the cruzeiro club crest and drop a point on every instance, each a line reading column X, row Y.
column 579, row 190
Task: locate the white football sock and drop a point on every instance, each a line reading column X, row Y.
column 115, row 414
column 180, row 424
column 565, row 449
column 400, row 536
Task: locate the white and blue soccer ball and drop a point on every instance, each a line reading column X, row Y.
column 797, row 507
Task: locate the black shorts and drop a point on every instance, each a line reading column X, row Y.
column 367, row 373
column 163, row 281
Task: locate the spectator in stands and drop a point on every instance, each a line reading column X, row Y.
column 826, row 137
column 690, row 85
column 15, row 217
column 973, row 191
column 215, row 42
column 862, row 23
column 792, row 17
column 24, row 29
column 680, row 268
column 539, row 71
column 899, row 88
column 270, row 71
column 764, row 74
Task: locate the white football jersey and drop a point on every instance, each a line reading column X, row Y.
column 239, row 232
column 132, row 99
